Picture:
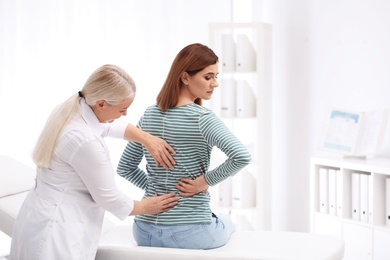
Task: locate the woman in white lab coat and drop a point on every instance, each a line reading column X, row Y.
column 62, row 215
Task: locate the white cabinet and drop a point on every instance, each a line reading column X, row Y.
column 358, row 241
column 360, row 193
column 243, row 102
column 381, row 244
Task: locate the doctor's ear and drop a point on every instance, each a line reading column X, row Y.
column 100, row 104
column 184, row 78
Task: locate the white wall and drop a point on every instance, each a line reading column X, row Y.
column 290, row 57
column 49, row 48
column 349, row 58
column 326, row 54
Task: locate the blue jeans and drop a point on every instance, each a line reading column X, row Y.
column 192, row 236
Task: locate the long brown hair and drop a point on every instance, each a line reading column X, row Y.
column 191, row 59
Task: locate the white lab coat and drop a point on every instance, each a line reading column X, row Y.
column 62, row 215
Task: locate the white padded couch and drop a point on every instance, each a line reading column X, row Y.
column 117, row 242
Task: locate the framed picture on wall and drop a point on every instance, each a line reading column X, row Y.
column 357, row 134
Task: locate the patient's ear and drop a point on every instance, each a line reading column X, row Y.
column 184, row 78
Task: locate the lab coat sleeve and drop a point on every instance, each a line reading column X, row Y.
column 115, row 129
column 92, row 163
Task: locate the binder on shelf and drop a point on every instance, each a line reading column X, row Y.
column 323, row 190
column 339, row 193
column 245, row 54
column 370, row 199
column 332, row 191
column 355, row 196
column 364, row 239
column 245, row 100
column 225, row 193
column 243, row 190
column 243, row 224
column 228, row 97
column 364, row 197
column 388, row 202
column 228, row 56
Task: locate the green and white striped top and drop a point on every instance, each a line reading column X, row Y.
column 193, row 131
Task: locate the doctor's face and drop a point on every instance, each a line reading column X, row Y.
column 107, row 113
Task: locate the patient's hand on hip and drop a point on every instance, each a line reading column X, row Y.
column 190, row 187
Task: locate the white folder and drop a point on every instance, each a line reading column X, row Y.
column 364, row 197
column 245, row 54
column 355, row 201
column 228, row 57
column 370, row 199
column 243, row 224
column 228, row 97
column 388, row 202
column 245, row 100
column 243, row 190
column 332, row 191
column 339, row 193
column 323, row 190
column 225, row 193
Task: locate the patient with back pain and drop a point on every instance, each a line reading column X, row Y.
column 192, row 130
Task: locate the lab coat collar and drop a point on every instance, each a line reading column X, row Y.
column 90, row 118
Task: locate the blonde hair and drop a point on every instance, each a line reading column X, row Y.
column 109, row 83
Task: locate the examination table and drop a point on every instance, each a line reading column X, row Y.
column 117, row 242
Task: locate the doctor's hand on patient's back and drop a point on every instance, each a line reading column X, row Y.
column 155, row 205
column 161, row 152
column 158, row 148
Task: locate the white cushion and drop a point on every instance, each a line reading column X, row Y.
column 15, row 177
column 9, row 209
column 118, row 244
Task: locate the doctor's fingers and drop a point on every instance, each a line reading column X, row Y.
column 162, row 153
column 169, row 198
column 168, row 206
column 166, row 160
column 168, row 201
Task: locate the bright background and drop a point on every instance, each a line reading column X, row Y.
column 325, row 54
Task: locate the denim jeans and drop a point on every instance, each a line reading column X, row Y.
column 192, row 236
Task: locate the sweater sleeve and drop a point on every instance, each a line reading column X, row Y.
column 217, row 134
column 128, row 166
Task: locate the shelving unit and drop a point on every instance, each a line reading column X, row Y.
column 243, row 102
column 366, row 231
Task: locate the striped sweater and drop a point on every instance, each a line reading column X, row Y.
column 193, row 131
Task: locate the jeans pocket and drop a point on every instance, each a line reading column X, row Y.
column 142, row 237
column 193, row 237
